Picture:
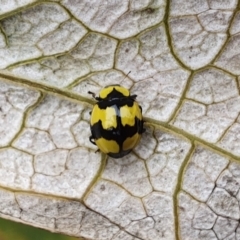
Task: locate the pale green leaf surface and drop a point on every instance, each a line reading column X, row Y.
column 182, row 181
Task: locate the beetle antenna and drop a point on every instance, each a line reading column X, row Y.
column 127, row 75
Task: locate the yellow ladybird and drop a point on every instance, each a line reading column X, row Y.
column 116, row 121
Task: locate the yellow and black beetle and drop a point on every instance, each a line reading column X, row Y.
column 116, row 121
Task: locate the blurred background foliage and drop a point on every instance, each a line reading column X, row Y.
column 17, row 231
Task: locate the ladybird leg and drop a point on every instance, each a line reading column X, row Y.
column 90, row 112
column 133, row 96
column 94, row 95
column 143, row 129
column 98, row 150
column 91, row 139
column 140, row 108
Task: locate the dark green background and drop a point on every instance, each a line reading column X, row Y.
column 17, row 231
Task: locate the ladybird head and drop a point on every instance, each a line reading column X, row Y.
column 113, row 92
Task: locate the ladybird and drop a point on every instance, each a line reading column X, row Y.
column 116, row 121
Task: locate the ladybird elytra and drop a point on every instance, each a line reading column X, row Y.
column 116, row 121
column 128, row 114
column 131, row 142
column 107, row 146
column 107, row 117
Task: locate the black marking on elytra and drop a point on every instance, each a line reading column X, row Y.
column 120, row 102
column 141, row 129
column 118, row 134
